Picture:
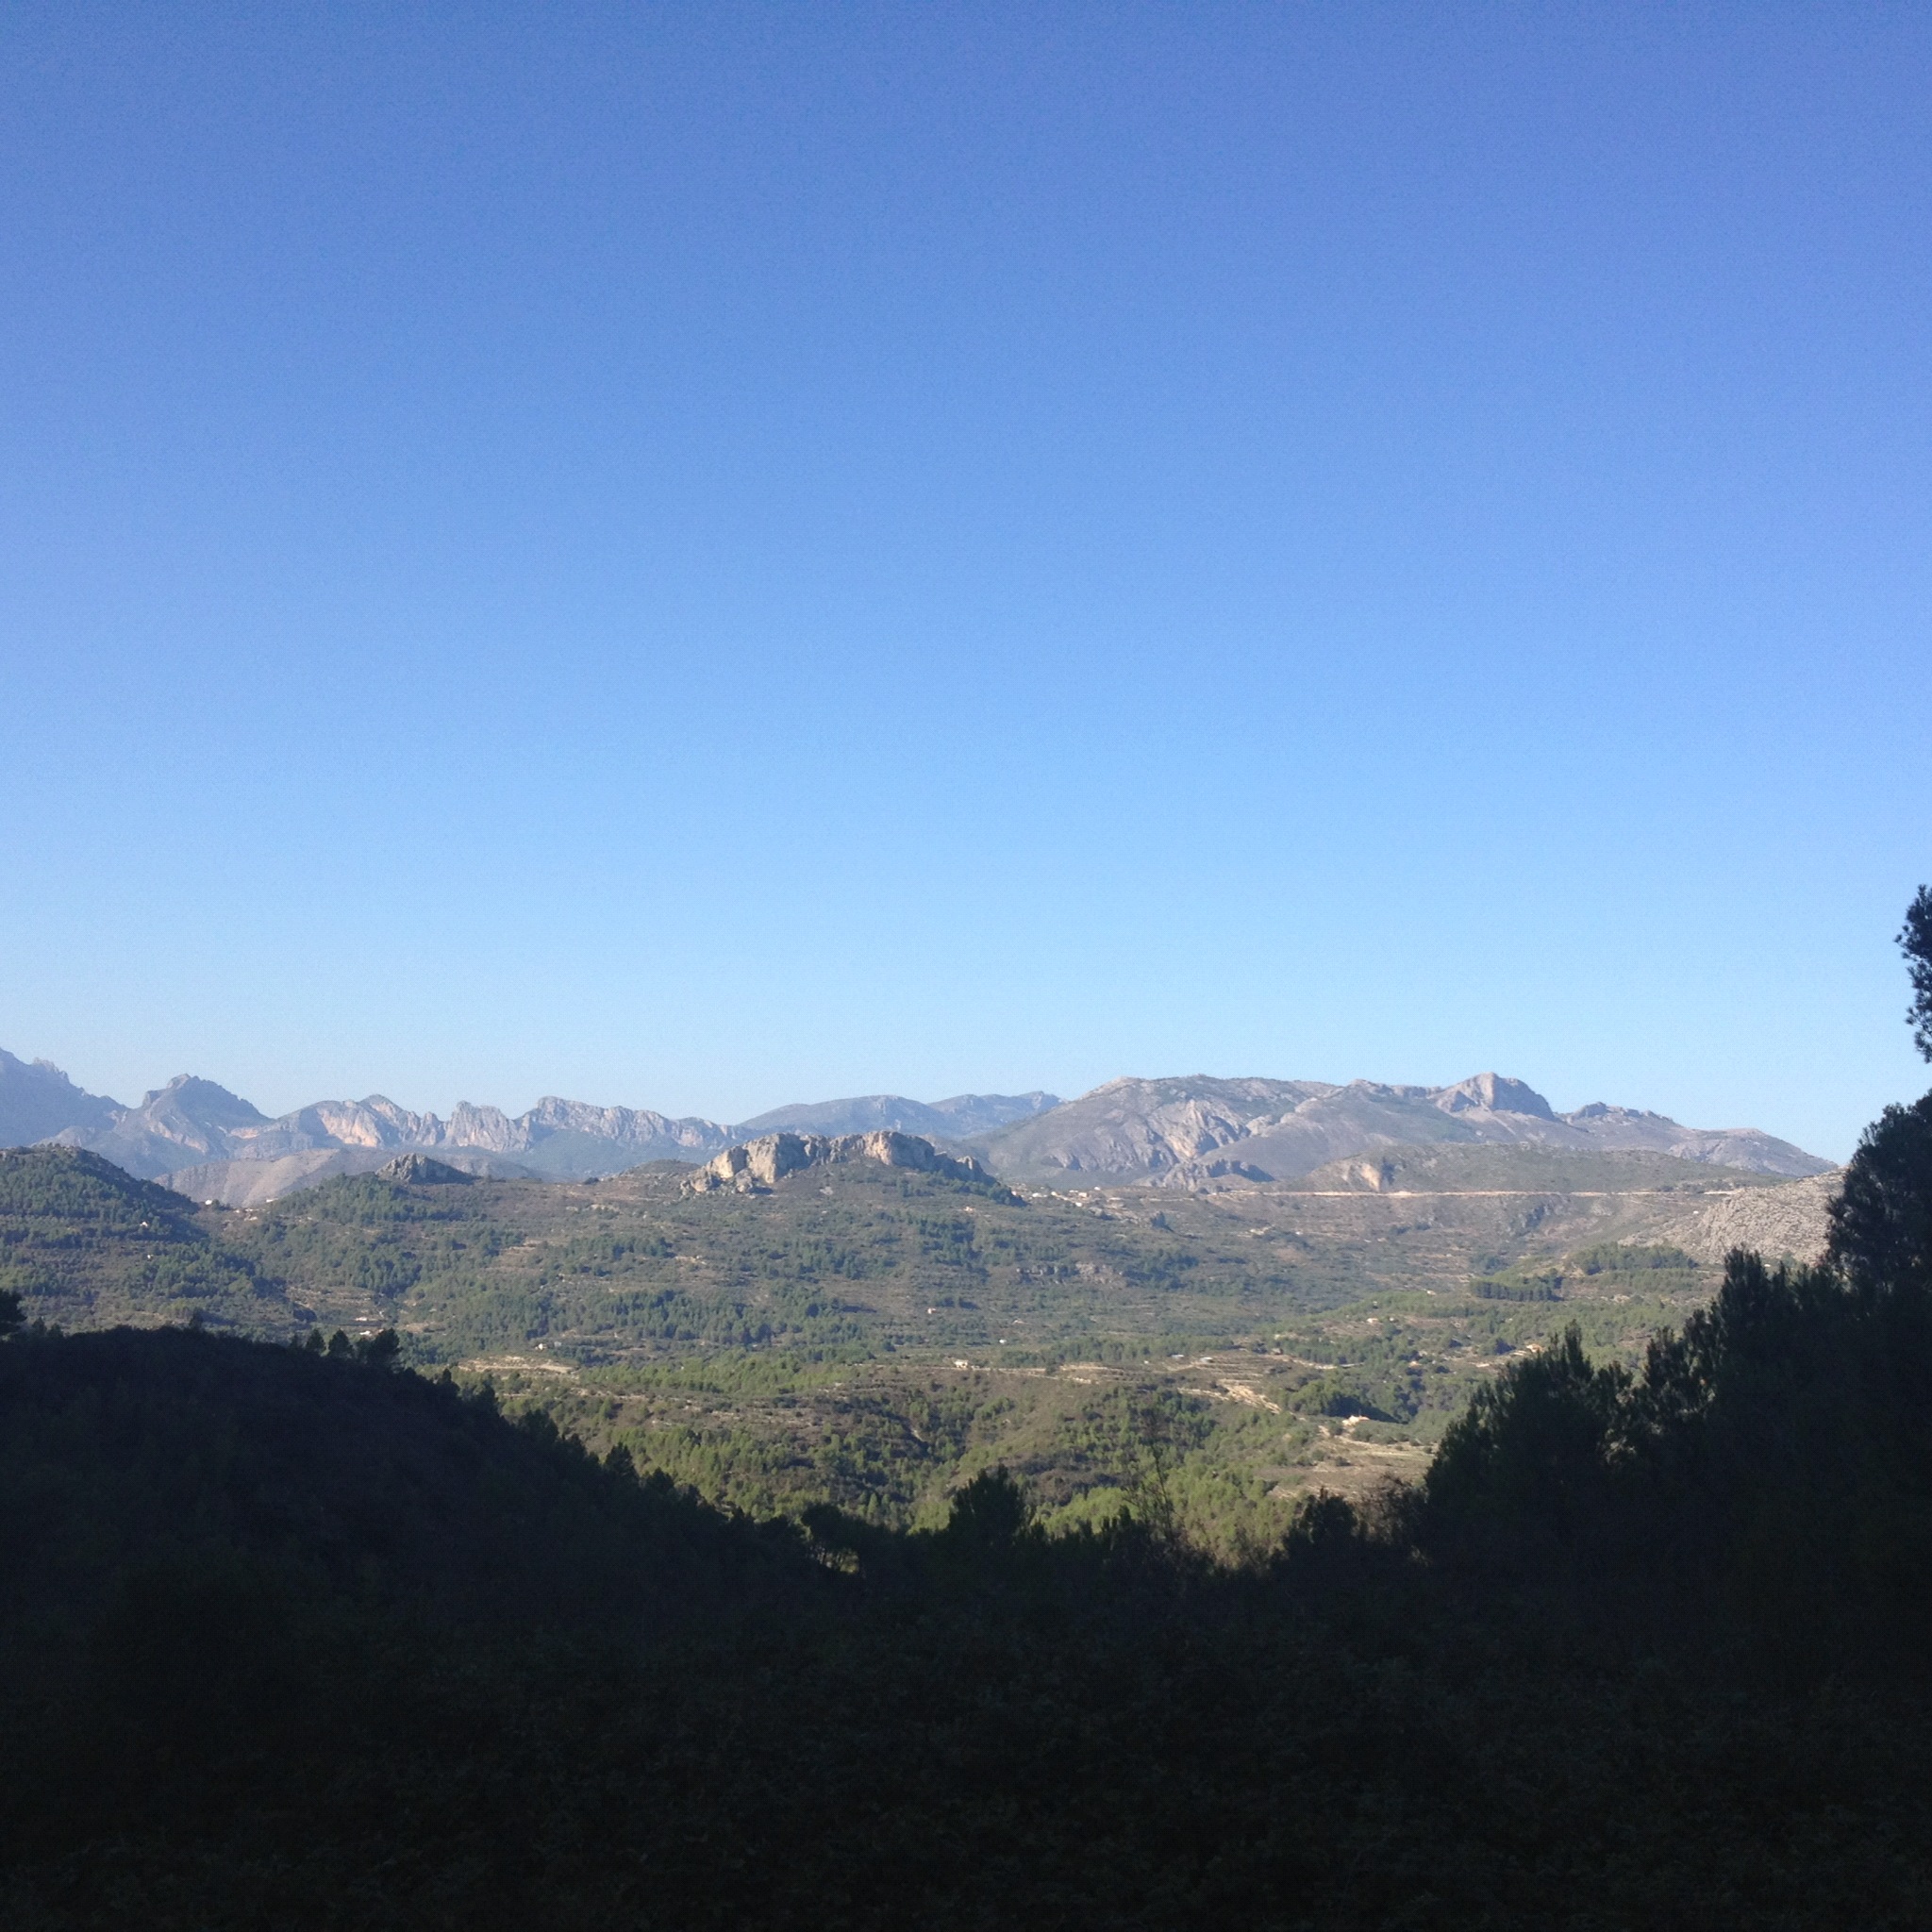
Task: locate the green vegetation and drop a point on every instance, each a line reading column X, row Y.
column 1608, row 1264
column 1915, row 942
column 322, row 1642
column 871, row 1337
column 1525, row 1166
column 319, row 1640
column 84, row 1243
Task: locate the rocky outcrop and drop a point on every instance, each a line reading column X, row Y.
column 758, row 1165
column 1491, row 1093
column 255, row 1183
column 419, row 1171
column 1772, row 1222
column 1213, row 1174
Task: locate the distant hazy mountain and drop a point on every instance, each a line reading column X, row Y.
column 186, row 1120
column 194, row 1124
column 38, row 1100
column 1179, row 1132
column 221, row 1147
column 941, row 1120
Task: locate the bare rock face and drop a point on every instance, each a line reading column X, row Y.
column 418, row 1170
column 254, row 1183
column 1491, row 1094
column 1212, row 1174
column 755, row 1166
column 1793, row 1220
column 186, row 1119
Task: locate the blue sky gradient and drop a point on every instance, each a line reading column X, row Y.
column 703, row 557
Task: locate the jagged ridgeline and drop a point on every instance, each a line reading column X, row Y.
column 1192, row 1133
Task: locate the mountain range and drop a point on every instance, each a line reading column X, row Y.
column 1190, row 1132
column 192, row 1131
column 1197, row 1131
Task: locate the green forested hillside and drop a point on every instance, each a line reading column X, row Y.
column 86, row 1246
column 871, row 1337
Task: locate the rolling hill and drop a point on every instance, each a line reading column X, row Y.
column 957, row 1118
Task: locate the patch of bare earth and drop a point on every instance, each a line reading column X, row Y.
column 1354, row 1470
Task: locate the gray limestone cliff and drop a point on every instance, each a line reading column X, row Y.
column 757, row 1165
column 1791, row 1219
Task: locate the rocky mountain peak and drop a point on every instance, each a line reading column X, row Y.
column 1199, row 1132
column 1494, row 1093
column 186, row 1096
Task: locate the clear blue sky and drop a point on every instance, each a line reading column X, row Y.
column 711, row 555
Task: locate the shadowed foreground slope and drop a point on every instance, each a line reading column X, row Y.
column 319, row 1643
column 298, row 1639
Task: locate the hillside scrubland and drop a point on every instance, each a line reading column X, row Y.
column 872, row 1336
column 346, row 1630
column 321, row 1641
